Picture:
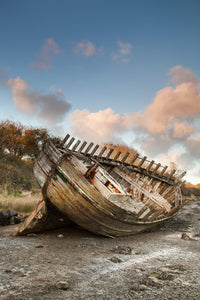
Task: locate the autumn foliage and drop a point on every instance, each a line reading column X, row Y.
column 18, row 140
column 19, row 146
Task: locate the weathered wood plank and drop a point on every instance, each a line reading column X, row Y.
column 150, row 165
column 171, row 174
column 109, row 153
column 142, row 161
column 156, row 168
column 102, row 151
column 82, row 146
column 65, row 139
column 125, row 157
column 88, row 148
column 70, row 143
column 163, row 171
column 117, row 155
column 76, row 145
column 94, row 150
column 134, row 158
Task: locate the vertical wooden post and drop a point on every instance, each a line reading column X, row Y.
column 171, row 174
column 142, row 161
column 117, row 155
column 156, row 168
column 125, row 157
column 65, row 139
column 102, row 151
column 94, row 150
column 76, row 145
column 134, row 158
column 88, row 148
column 70, row 142
column 109, row 153
column 150, row 165
column 163, row 171
column 82, row 146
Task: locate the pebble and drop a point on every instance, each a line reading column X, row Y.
column 154, row 281
column 116, row 259
column 60, row 236
column 185, row 237
column 122, row 250
column 39, row 246
column 62, row 285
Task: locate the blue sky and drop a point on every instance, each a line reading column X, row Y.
column 122, row 71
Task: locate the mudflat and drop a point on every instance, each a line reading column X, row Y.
column 71, row 263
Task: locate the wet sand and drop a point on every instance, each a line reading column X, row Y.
column 161, row 264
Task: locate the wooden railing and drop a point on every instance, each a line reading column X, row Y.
column 139, row 164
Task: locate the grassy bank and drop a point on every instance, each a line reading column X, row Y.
column 23, row 204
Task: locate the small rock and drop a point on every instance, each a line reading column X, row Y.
column 62, row 285
column 39, row 246
column 166, row 276
column 138, row 287
column 142, row 287
column 116, row 259
column 60, row 236
column 8, row 271
column 154, row 281
column 185, row 237
column 122, row 250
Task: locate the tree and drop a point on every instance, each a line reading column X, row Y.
column 10, row 138
column 33, row 141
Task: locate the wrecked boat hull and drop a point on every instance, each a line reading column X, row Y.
column 105, row 196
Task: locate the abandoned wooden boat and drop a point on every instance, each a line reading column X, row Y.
column 107, row 196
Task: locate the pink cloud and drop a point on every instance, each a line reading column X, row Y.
column 101, row 126
column 182, row 130
column 49, row 108
column 180, row 75
column 47, row 52
column 124, row 49
column 171, row 121
column 169, row 105
column 85, row 48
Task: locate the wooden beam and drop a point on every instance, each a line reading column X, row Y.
column 102, row 151
column 142, row 161
column 82, row 146
column 163, row 171
column 171, row 174
column 109, row 153
column 76, row 145
column 150, row 165
column 134, row 158
column 88, row 148
column 70, row 142
column 156, row 168
column 94, row 150
column 125, row 157
column 117, row 155
column 65, row 139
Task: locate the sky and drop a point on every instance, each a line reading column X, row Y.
column 120, row 71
